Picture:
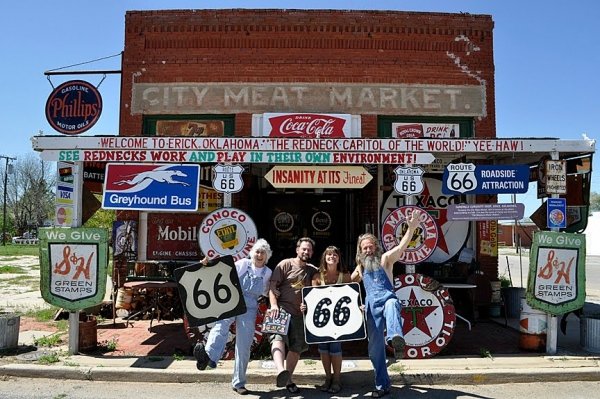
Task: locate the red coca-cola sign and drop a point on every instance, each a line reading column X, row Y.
column 73, row 107
column 307, row 125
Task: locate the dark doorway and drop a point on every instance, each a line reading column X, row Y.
column 289, row 215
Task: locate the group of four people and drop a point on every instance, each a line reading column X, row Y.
column 284, row 289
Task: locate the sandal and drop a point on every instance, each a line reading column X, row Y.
column 335, row 387
column 292, row 388
column 380, row 393
column 325, row 386
column 283, row 378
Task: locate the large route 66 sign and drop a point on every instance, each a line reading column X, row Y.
column 228, row 178
column 333, row 313
column 210, row 293
column 459, row 177
column 409, row 181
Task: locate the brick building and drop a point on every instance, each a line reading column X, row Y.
column 390, row 71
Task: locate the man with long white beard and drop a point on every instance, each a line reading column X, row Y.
column 382, row 304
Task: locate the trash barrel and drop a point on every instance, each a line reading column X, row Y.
column 589, row 332
column 9, row 330
column 533, row 327
column 512, row 301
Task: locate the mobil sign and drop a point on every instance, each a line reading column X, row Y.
column 151, row 187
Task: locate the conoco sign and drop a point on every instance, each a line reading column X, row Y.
column 73, row 107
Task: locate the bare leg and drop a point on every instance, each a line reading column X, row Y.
column 278, row 353
column 291, row 361
column 326, row 360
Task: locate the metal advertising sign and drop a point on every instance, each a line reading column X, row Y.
column 468, row 178
column 428, row 318
column 556, row 282
column 210, row 293
column 73, row 107
column 292, row 176
column 423, row 242
column 73, row 266
column 151, row 187
column 333, row 313
column 227, row 231
column 557, row 213
column 556, row 177
column 307, row 125
column 453, row 234
column 418, row 130
column 173, row 236
column 409, row 181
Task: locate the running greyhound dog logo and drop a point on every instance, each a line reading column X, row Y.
column 160, row 176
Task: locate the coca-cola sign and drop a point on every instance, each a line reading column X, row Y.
column 73, row 107
column 307, row 125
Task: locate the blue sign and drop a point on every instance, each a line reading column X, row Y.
column 557, row 213
column 468, row 178
column 151, row 187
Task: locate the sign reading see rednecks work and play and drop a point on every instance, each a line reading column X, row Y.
column 73, row 266
column 556, row 282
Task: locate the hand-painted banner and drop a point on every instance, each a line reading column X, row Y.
column 283, row 157
column 318, row 177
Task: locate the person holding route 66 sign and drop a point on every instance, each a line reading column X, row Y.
column 329, row 314
column 382, row 305
column 254, row 278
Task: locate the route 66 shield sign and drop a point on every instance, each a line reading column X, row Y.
column 228, row 178
column 459, row 177
column 210, row 293
column 409, row 180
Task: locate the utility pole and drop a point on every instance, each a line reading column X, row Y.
column 7, row 159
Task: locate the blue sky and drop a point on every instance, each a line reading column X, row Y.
column 547, row 56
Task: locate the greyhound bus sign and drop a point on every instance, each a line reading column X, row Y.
column 151, row 187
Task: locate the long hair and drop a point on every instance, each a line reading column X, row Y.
column 374, row 240
column 323, row 264
column 261, row 245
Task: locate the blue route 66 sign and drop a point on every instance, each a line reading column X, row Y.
column 333, row 313
column 210, row 293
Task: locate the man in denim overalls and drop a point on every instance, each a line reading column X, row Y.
column 382, row 304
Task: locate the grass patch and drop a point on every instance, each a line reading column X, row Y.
column 309, row 362
column 23, row 280
column 11, row 270
column 107, row 346
column 397, row 368
column 48, row 341
column 49, row 359
column 483, row 352
column 19, row 250
column 42, row 315
column 178, row 357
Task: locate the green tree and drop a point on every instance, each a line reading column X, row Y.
column 594, row 201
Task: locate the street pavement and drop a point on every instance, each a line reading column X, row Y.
column 571, row 362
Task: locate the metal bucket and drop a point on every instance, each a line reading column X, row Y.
column 512, row 300
column 533, row 327
column 9, row 330
column 88, row 333
column 589, row 330
column 124, row 297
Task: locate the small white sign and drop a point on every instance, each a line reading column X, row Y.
column 556, row 177
column 228, row 178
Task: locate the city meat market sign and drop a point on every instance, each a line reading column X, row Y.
column 233, row 98
column 318, row 177
column 556, row 282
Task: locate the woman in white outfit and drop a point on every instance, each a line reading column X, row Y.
column 254, row 279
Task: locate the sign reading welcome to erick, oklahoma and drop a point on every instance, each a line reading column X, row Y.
column 151, row 187
column 73, row 107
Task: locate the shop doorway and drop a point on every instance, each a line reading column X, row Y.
column 324, row 217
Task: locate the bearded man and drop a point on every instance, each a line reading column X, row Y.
column 382, row 305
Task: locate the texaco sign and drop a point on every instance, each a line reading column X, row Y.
column 428, row 318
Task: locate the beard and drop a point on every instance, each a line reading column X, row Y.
column 370, row 262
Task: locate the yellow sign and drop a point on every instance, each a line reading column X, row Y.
column 289, row 176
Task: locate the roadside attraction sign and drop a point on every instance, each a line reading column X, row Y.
column 556, row 282
column 468, row 178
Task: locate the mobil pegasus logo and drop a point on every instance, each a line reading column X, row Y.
column 151, row 187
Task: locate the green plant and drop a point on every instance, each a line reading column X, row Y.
column 483, row 352
column 504, row 281
column 309, row 362
column 11, row 270
column 108, row 345
column 49, row 358
column 398, row 368
column 178, row 357
column 19, row 250
column 43, row 314
column 70, row 364
column 48, row 341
